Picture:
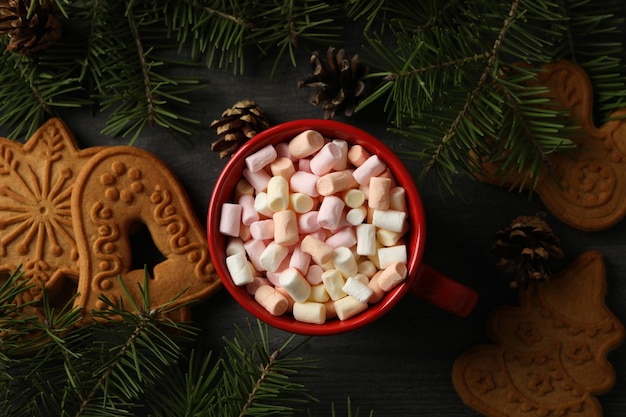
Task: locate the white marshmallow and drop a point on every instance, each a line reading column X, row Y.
column 301, row 203
column 277, row 194
column 391, row 255
column 239, row 269
column 260, row 204
column 366, row 239
column 273, row 256
column 356, row 215
column 295, row 284
column 392, row 220
column 344, row 262
column 319, row 294
column 357, row 289
column 234, row 245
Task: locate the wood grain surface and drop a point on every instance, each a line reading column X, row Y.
column 401, row 364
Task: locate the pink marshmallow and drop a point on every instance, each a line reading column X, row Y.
column 256, row 283
column 230, row 219
column 258, row 180
column 314, row 274
column 262, row 229
column 254, row 248
column 307, row 222
column 372, row 167
column 249, row 214
column 258, row 160
column 330, row 212
column 324, row 161
column 271, row 300
column 345, row 237
column 342, row 163
column 304, row 182
column 300, row 260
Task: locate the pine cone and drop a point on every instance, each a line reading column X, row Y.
column 338, row 81
column 526, row 248
column 29, row 33
column 238, row 124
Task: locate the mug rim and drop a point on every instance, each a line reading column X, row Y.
column 336, row 130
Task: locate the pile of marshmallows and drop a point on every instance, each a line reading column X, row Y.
column 317, row 229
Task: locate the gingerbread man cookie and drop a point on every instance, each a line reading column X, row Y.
column 36, row 183
column 590, row 187
column 550, row 353
column 118, row 188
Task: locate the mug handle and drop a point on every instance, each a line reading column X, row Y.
column 440, row 290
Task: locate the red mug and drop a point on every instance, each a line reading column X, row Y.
column 422, row 280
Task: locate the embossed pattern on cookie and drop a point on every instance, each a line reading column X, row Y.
column 590, row 185
column 118, row 188
column 36, row 182
column 550, row 353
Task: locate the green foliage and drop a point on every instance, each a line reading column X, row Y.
column 446, row 74
column 134, row 361
column 139, row 61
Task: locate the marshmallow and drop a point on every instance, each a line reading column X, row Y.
column 335, row 182
column 391, row 276
column 307, row 222
column 234, row 245
column 243, row 187
column 344, row 262
column 300, row 202
column 309, row 312
column 379, row 188
column 300, row 260
column 367, row 268
column 260, row 204
column 392, row 220
column 259, row 159
column 239, row 269
column 286, row 228
column 277, row 194
column 282, row 167
column 262, row 229
column 357, row 155
column 304, row 182
column 377, row 292
column 295, row 284
column 306, row 144
column 390, row 255
column 282, row 151
column 345, row 237
column 348, row 307
column 356, row 215
column 324, row 160
column 357, row 289
column 254, row 248
column 366, row 239
column 248, row 212
column 271, row 300
column 372, row 167
column 397, row 199
column 353, row 197
column 319, row 294
column 230, row 219
column 256, row 283
column 334, row 282
column 330, row 211
column 258, row 179
column 314, row 274
column 342, row 162
column 320, row 252
column 273, row 256
column 387, row 237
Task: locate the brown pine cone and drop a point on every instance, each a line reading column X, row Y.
column 338, row 81
column 525, row 249
column 29, row 33
column 238, row 124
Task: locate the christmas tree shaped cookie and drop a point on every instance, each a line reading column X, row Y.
column 550, row 353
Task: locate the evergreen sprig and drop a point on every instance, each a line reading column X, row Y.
column 133, row 361
column 448, row 76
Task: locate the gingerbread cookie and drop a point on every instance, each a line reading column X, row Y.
column 590, row 185
column 121, row 187
column 550, row 353
column 36, row 183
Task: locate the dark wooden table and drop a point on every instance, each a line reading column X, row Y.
column 401, row 364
